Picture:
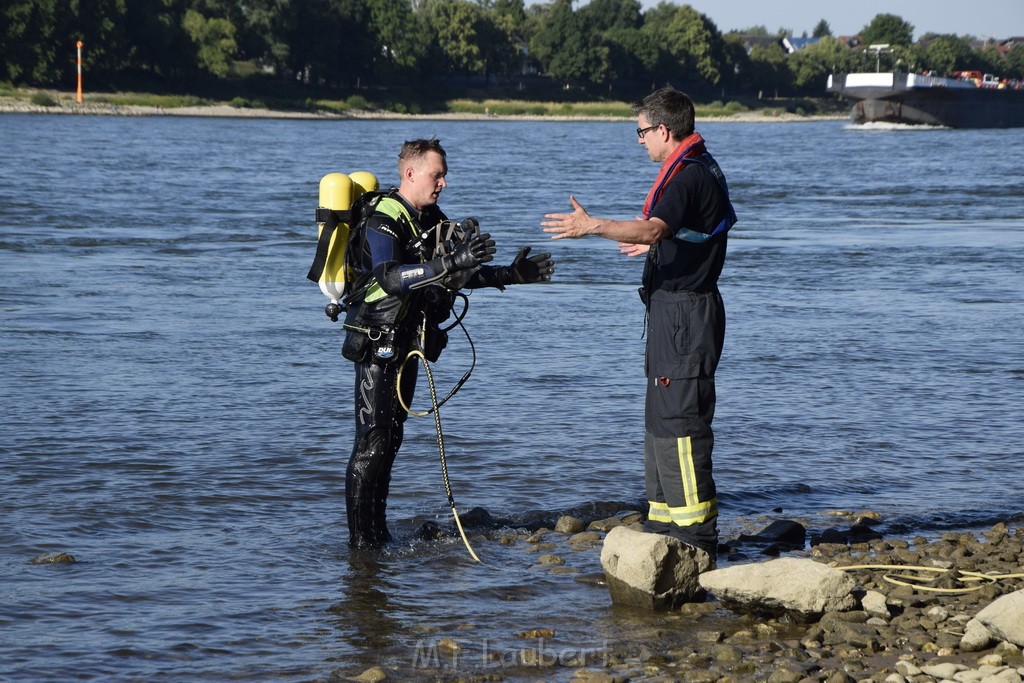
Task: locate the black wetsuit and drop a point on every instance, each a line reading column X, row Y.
column 381, row 332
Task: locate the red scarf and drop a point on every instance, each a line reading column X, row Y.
column 692, row 146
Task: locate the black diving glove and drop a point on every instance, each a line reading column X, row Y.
column 471, row 254
column 528, row 269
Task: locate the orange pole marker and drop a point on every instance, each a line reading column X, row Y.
column 78, row 96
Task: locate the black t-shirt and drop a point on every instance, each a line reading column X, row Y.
column 695, row 200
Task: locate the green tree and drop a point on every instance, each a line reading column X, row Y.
column 159, row 44
column 214, row 41
column 887, row 28
column 812, row 65
column 37, row 40
column 947, row 53
column 670, row 65
column 469, row 39
column 260, row 27
column 738, row 59
column 821, row 29
column 604, row 15
column 769, row 69
column 550, row 24
column 399, row 46
column 564, row 51
column 328, row 42
column 990, row 60
column 30, row 53
column 509, row 18
column 99, row 24
column 614, row 30
column 632, row 54
column 512, row 12
column 691, row 41
column 1014, row 62
column 455, row 26
column 546, row 24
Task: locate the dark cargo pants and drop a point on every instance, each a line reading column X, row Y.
column 685, row 334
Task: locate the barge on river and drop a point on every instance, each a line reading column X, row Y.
column 971, row 100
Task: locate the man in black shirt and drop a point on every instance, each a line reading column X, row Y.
column 686, row 219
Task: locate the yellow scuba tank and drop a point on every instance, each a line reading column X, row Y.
column 364, row 182
column 338, row 192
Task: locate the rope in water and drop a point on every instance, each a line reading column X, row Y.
column 440, row 438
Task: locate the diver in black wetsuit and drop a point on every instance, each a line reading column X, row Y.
column 410, row 292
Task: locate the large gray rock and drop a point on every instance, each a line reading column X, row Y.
column 1004, row 618
column 789, row 583
column 652, row 571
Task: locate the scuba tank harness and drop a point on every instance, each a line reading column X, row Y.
column 334, row 222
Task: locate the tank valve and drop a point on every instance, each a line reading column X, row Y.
column 332, row 310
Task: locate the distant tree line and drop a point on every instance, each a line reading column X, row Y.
column 600, row 47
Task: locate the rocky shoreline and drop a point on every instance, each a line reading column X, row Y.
column 910, row 610
column 913, row 616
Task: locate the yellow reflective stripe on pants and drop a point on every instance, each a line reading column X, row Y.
column 683, row 516
column 684, row 449
column 694, row 511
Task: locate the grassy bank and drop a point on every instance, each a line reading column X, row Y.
column 408, row 104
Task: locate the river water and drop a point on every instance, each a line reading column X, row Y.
column 177, row 416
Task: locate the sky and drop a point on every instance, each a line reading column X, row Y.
column 982, row 18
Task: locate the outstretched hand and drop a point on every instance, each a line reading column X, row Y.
column 478, row 250
column 529, row 269
column 576, row 224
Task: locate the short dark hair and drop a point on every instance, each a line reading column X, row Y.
column 670, row 107
column 413, row 149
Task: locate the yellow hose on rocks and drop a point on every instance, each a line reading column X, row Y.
column 917, row 581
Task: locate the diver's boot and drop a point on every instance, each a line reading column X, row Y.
column 359, row 506
column 380, row 521
column 378, row 492
column 361, row 484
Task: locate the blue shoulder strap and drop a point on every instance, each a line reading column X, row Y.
column 687, row 235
